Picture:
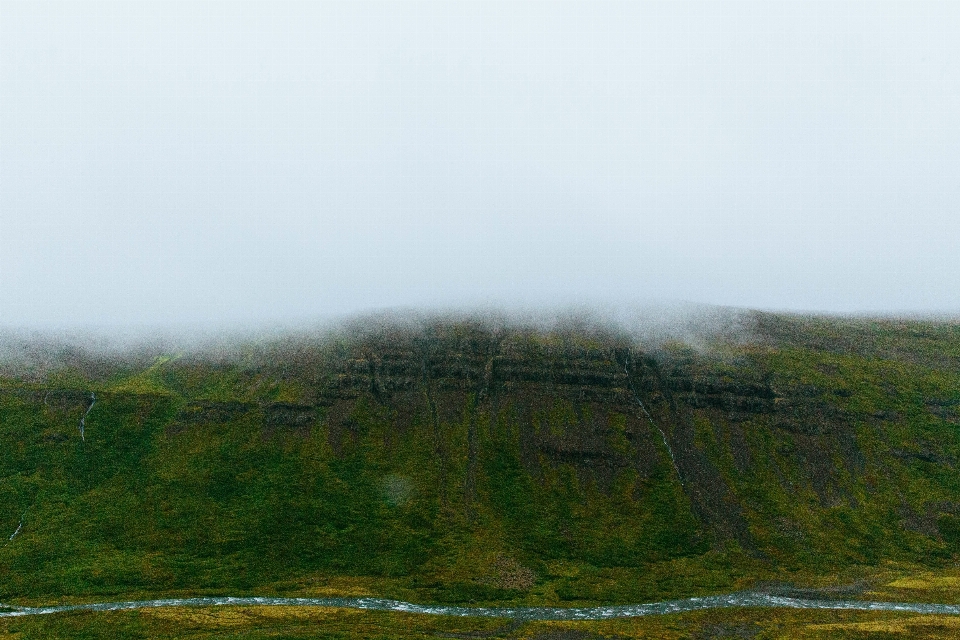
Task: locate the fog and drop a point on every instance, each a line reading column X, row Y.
column 262, row 164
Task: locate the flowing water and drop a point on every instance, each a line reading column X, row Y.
column 732, row 600
column 83, row 420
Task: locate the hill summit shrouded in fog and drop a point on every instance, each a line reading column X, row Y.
column 474, row 461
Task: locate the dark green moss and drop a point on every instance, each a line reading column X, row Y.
column 420, row 457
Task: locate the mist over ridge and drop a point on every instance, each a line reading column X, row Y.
column 651, row 324
column 648, row 327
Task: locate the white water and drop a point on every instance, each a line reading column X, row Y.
column 732, row 600
column 663, row 435
column 15, row 533
column 83, row 420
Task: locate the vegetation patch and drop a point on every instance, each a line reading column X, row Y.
column 468, row 462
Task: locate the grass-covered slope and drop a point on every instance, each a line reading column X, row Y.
column 463, row 462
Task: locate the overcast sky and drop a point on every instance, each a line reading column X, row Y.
column 249, row 162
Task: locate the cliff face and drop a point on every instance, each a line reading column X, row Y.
column 477, row 463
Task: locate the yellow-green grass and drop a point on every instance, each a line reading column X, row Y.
column 313, row 622
column 456, row 464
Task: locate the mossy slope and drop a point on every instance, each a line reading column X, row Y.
column 466, row 463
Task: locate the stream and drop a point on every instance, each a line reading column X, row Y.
column 732, row 600
column 83, row 420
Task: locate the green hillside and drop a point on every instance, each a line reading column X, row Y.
column 462, row 461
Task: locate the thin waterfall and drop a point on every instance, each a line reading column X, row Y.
column 643, row 408
column 83, row 420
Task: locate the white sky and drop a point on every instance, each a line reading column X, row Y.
column 249, row 162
